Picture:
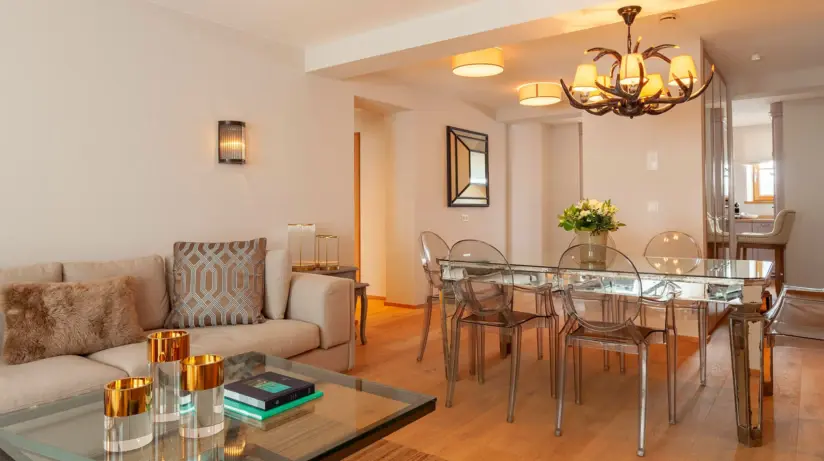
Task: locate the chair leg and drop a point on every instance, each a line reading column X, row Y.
column 444, row 337
column 577, row 366
column 515, row 366
column 427, row 319
column 539, row 310
column 604, row 318
column 779, row 269
column 453, row 359
column 481, row 353
column 642, row 394
column 559, row 404
column 702, row 342
column 553, row 354
column 672, row 363
column 473, row 350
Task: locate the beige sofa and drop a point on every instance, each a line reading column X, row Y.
column 318, row 327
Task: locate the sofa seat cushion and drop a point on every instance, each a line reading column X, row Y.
column 51, row 379
column 281, row 338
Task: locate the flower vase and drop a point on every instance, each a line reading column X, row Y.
column 593, row 249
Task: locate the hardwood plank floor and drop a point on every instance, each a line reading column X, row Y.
column 605, row 425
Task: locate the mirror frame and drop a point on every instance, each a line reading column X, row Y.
column 452, row 183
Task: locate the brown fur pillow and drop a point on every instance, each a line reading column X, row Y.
column 50, row 319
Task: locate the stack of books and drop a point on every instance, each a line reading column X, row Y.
column 262, row 397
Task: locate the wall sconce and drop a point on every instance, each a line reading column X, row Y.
column 231, row 142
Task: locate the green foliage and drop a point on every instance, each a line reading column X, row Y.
column 590, row 215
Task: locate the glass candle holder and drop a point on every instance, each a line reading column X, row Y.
column 327, row 251
column 127, row 422
column 165, row 351
column 201, row 396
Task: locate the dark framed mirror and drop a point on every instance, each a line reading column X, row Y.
column 467, row 168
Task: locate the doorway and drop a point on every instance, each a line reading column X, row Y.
column 358, row 205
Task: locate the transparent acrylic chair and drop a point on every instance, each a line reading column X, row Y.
column 485, row 293
column 614, row 275
column 622, row 362
column 433, row 248
column 798, row 314
column 677, row 245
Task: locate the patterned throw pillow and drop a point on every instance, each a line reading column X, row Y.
column 218, row 284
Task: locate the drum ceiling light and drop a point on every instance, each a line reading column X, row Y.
column 634, row 91
column 539, row 94
column 481, row 63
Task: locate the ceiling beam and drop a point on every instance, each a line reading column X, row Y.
column 482, row 24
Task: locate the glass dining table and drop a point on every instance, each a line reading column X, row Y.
column 740, row 284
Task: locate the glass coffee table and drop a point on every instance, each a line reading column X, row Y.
column 352, row 414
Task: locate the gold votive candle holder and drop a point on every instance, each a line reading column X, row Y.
column 165, row 350
column 127, row 414
column 201, row 396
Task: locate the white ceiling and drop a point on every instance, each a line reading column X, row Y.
column 307, row 22
column 788, row 39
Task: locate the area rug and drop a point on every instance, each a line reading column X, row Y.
column 385, row 450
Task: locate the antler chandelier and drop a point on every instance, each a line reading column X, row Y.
column 633, row 91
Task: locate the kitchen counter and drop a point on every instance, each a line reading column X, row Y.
column 758, row 219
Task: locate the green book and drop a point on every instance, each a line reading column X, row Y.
column 260, row 415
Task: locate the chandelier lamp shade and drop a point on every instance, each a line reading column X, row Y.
column 633, row 91
column 539, row 94
column 481, row 63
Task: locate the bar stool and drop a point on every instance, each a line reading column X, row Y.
column 775, row 240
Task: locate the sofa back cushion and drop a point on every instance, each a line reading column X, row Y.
column 50, row 272
column 149, row 283
column 278, row 278
column 218, row 284
column 50, row 319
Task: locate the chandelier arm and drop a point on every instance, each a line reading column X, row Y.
column 612, row 70
column 577, row 104
column 604, row 52
column 599, row 112
column 686, row 91
column 654, row 52
column 641, row 83
column 705, row 86
column 661, row 110
column 637, row 44
column 615, row 91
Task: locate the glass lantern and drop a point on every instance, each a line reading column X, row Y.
column 302, row 247
column 327, row 249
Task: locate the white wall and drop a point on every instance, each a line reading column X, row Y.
column 751, row 144
column 109, row 127
column 416, row 192
column 374, row 157
column 801, row 175
column 526, row 182
column 561, row 184
column 615, row 167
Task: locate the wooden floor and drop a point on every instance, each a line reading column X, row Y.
column 604, row 427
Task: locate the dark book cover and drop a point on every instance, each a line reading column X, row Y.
column 268, row 390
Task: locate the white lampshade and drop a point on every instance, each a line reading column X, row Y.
column 631, row 65
column 681, row 68
column 539, row 94
column 653, row 86
column 585, row 79
column 481, row 63
column 598, row 95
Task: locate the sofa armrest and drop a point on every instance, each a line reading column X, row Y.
column 328, row 302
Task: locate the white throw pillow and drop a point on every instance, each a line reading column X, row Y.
column 278, row 278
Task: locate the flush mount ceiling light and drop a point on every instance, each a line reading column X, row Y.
column 481, row 63
column 633, row 91
column 539, row 94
